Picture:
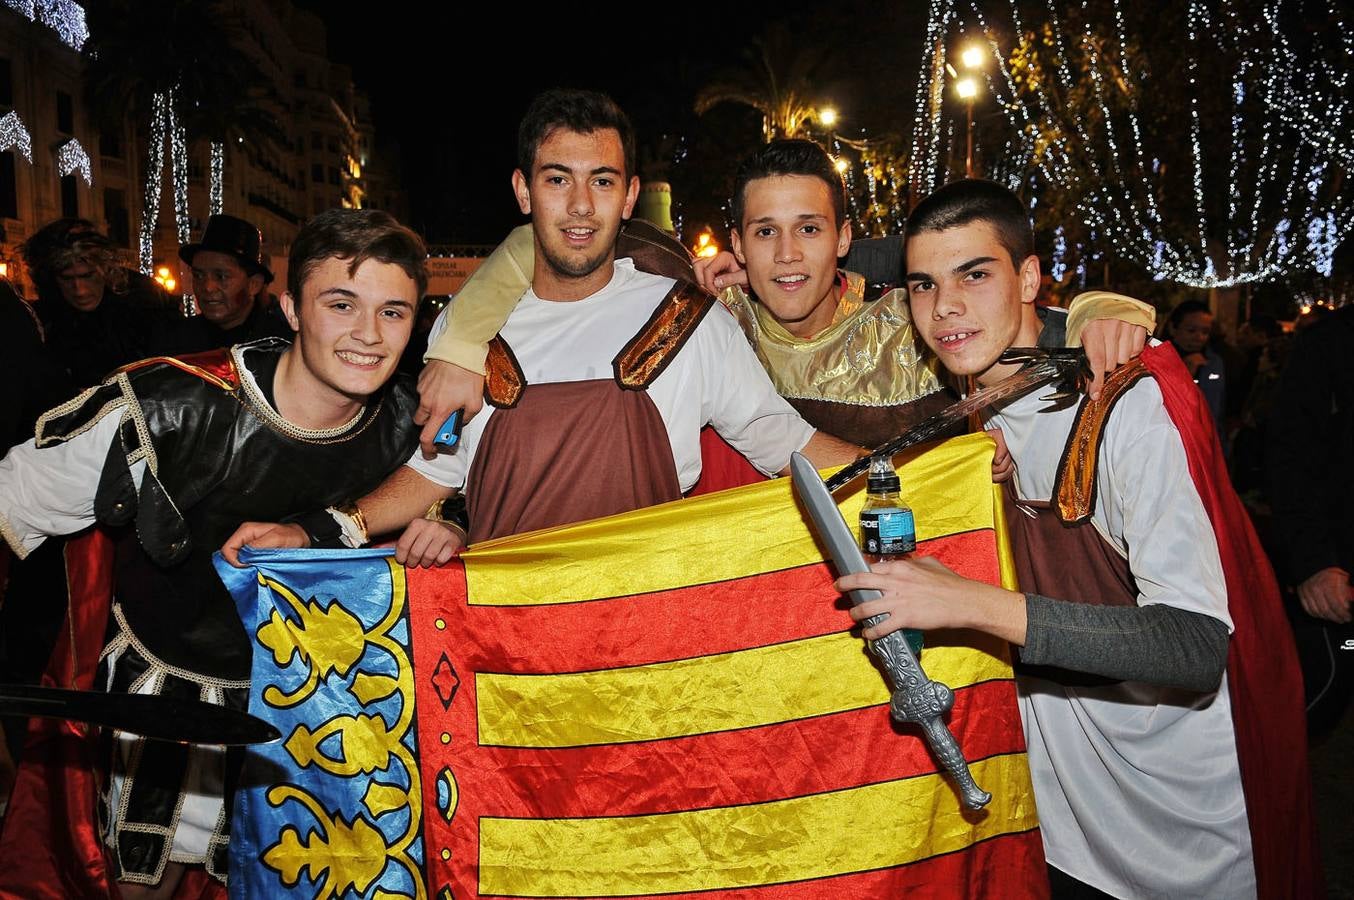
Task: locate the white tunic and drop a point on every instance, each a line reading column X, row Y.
column 1138, row 786
column 714, row 379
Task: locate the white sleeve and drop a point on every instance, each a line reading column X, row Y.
column 741, row 403
column 1172, row 550
column 50, row 491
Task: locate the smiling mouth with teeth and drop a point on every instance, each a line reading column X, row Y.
column 951, row 338
column 358, row 359
column 790, row 279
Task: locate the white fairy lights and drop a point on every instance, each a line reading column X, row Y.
column 216, row 194
column 1291, row 118
column 155, row 164
column 13, row 135
column 71, row 157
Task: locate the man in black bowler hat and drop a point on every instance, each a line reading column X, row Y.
column 229, row 279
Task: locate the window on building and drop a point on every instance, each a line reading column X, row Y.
column 70, row 200
column 333, row 145
column 110, row 144
column 119, row 219
column 9, row 187
column 317, row 173
column 334, row 176
column 316, row 141
column 65, row 113
column 6, row 83
column 299, row 78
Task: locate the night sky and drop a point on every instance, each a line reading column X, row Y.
column 455, row 122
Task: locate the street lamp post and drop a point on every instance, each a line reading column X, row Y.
column 971, row 57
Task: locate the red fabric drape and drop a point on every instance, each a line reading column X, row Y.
column 1262, row 665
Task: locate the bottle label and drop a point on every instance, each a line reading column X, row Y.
column 888, row 532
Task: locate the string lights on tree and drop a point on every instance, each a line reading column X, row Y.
column 216, row 193
column 13, row 135
column 1269, row 197
column 71, row 157
column 155, row 164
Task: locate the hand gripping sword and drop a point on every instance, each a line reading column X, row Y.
column 916, row 698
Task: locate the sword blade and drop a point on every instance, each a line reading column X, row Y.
column 157, row 718
column 1040, row 368
column 916, row 698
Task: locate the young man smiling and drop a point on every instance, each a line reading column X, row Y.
column 843, row 352
column 170, row 455
column 602, row 376
column 1160, row 692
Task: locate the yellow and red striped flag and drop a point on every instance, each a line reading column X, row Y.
column 667, row 702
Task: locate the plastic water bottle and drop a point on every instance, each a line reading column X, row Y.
column 888, row 529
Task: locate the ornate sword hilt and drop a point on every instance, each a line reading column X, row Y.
column 919, row 700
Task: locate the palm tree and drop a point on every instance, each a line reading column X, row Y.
column 171, row 67
column 778, row 79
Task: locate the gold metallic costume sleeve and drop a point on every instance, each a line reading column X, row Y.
column 868, row 356
column 1086, row 308
column 483, row 304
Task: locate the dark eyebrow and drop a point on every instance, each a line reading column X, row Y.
column 770, row 220
column 342, row 292
column 958, row 270
column 561, row 167
column 405, row 304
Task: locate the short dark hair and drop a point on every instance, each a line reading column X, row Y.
column 976, row 200
column 791, row 156
column 579, row 111
column 356, row 235
column 1185, row 308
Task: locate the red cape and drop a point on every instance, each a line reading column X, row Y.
column 1263, row 675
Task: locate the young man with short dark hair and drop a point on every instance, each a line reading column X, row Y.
column 842, row 351
column 602, row 376
column 170, row 455
column 1160, row 693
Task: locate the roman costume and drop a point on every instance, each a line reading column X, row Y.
column 651, row 359
column 1145, row 789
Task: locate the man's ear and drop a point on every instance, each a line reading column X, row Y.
column 631, row 195
column 844, row 239
column 1031, row 279
column 288, row 305
column 520, row 188
column 736, row 244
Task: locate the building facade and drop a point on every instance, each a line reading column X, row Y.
column 56, row 161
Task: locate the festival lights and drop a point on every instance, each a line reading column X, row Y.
column 13, row 134
column 1285, row 209
column 155, row 164
column 71, row 157
column 216, row 195
column 65, row 17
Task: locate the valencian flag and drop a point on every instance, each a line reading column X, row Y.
column 667, row 703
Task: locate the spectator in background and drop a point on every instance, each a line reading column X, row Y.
column 97, row 315
column 1189, row 328
column 230, row 285
column 1308, row 448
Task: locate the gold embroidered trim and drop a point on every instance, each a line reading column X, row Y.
column 264, row 412
column 205, row 681
column 648, row 353
column 1075, row 487
column 12, row 538
column 503, row 378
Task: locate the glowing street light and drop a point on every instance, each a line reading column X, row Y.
column 841, row 166
column 706, row 245
column 972, row 56
column 827, row 116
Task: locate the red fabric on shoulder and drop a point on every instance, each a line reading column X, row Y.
column 216, row 366
column 1263, row 675
column 722, row 467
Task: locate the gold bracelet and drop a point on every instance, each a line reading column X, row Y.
column 359, row 523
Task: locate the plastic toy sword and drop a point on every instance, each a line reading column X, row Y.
column 916, row 698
